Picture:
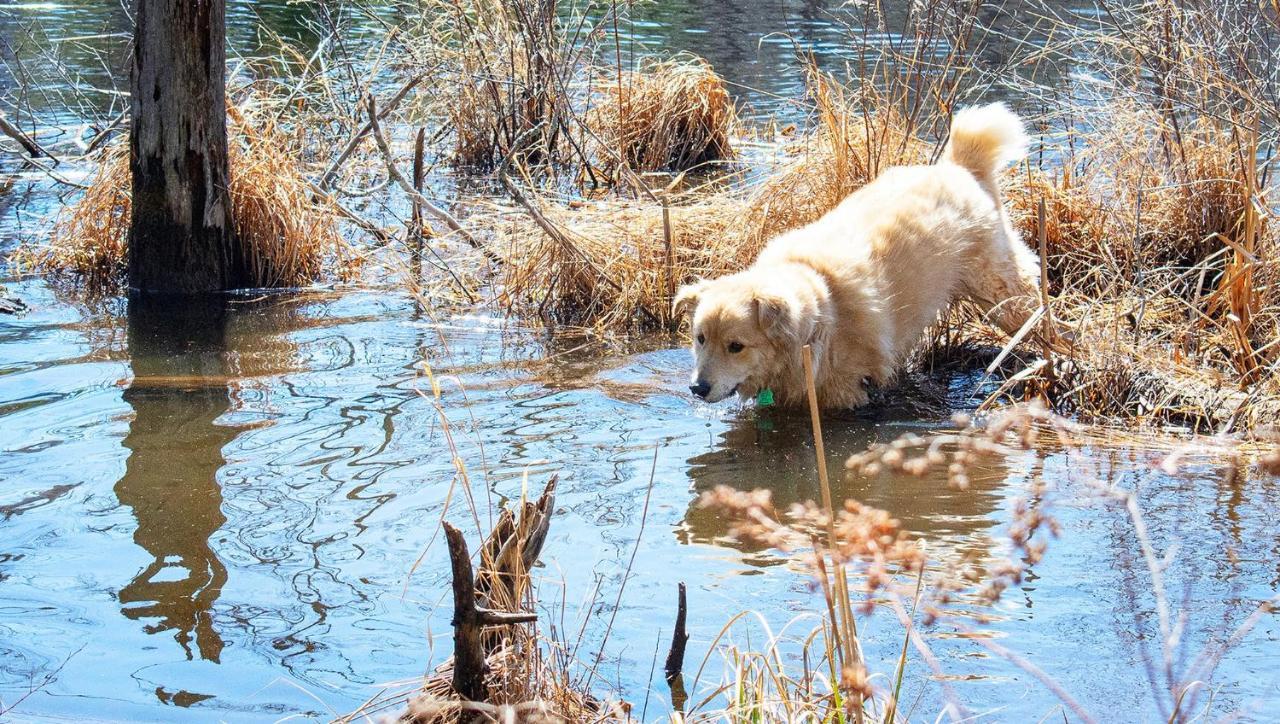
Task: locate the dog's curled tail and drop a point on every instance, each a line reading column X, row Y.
column 984, row 139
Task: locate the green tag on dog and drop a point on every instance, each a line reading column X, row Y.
column 765, row 398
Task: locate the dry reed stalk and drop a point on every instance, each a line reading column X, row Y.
column 669, row 115
column 503, row 71
column 288, row 237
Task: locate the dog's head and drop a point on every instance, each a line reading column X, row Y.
column 742, row 332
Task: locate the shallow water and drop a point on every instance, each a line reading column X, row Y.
column 215, row 517
column 212, row 514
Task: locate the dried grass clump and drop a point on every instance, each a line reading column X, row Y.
column 1133, row 197
column 502, row 71
column 670, row 115
column 524, row 687
column 90, row 238
column 610, row 267
column 287, row 236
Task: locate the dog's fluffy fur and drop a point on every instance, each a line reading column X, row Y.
column 862, row 283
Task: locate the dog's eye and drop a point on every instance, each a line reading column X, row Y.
column 735, row 347
column 702, row 339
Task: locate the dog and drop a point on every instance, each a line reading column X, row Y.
column 861, row 284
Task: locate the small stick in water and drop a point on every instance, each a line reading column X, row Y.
column 680, row 637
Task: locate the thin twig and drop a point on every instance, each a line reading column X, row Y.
column 327, row 177
column 33, row 149
column 404, row 183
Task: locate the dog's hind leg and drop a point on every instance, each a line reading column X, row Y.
column 1005, row 282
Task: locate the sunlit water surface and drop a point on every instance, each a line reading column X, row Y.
column 213, row 514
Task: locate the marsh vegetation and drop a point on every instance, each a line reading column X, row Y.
column 466, row 222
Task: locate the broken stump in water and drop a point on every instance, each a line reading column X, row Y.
column 498, row 671
column 487, row 603
column 469, row 621
column 492, row 596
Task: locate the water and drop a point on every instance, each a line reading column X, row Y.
column 212, row 514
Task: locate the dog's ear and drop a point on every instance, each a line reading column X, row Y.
column 687, row 298
column 773, row 314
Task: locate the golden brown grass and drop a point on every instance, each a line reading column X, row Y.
column 668, row 115
column 501, row 72
column 289, row 237
column 610, row 269
column 1128, row 199
column 617, row 269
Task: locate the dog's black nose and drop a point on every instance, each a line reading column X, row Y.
column 701, row 389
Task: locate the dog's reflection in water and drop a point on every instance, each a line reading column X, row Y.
column 773, row 450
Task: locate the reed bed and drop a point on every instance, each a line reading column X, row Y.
column 859, row 132
column 667, row 115
column 502, row 74
column 616, row 265
column 291, row 238
column 1127, row 198
column 1161, row 255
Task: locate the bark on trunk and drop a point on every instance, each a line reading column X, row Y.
column 181, row 238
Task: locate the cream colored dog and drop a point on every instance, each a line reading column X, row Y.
column 862, row 283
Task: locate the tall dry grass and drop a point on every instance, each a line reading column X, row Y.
column 502, row 74
column 1163, row 246
column 290, row 238
column 1126, row 200
column 666, row 115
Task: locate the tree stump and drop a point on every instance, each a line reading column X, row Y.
column 491, row 596
column 181, row 237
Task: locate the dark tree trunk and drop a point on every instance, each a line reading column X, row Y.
column 181, row 239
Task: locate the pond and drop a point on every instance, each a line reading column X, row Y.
column 215, row 514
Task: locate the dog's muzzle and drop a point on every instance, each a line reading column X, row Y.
column 701, row 389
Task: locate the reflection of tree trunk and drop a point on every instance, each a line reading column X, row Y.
column 170, row 479
column 181, row 237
